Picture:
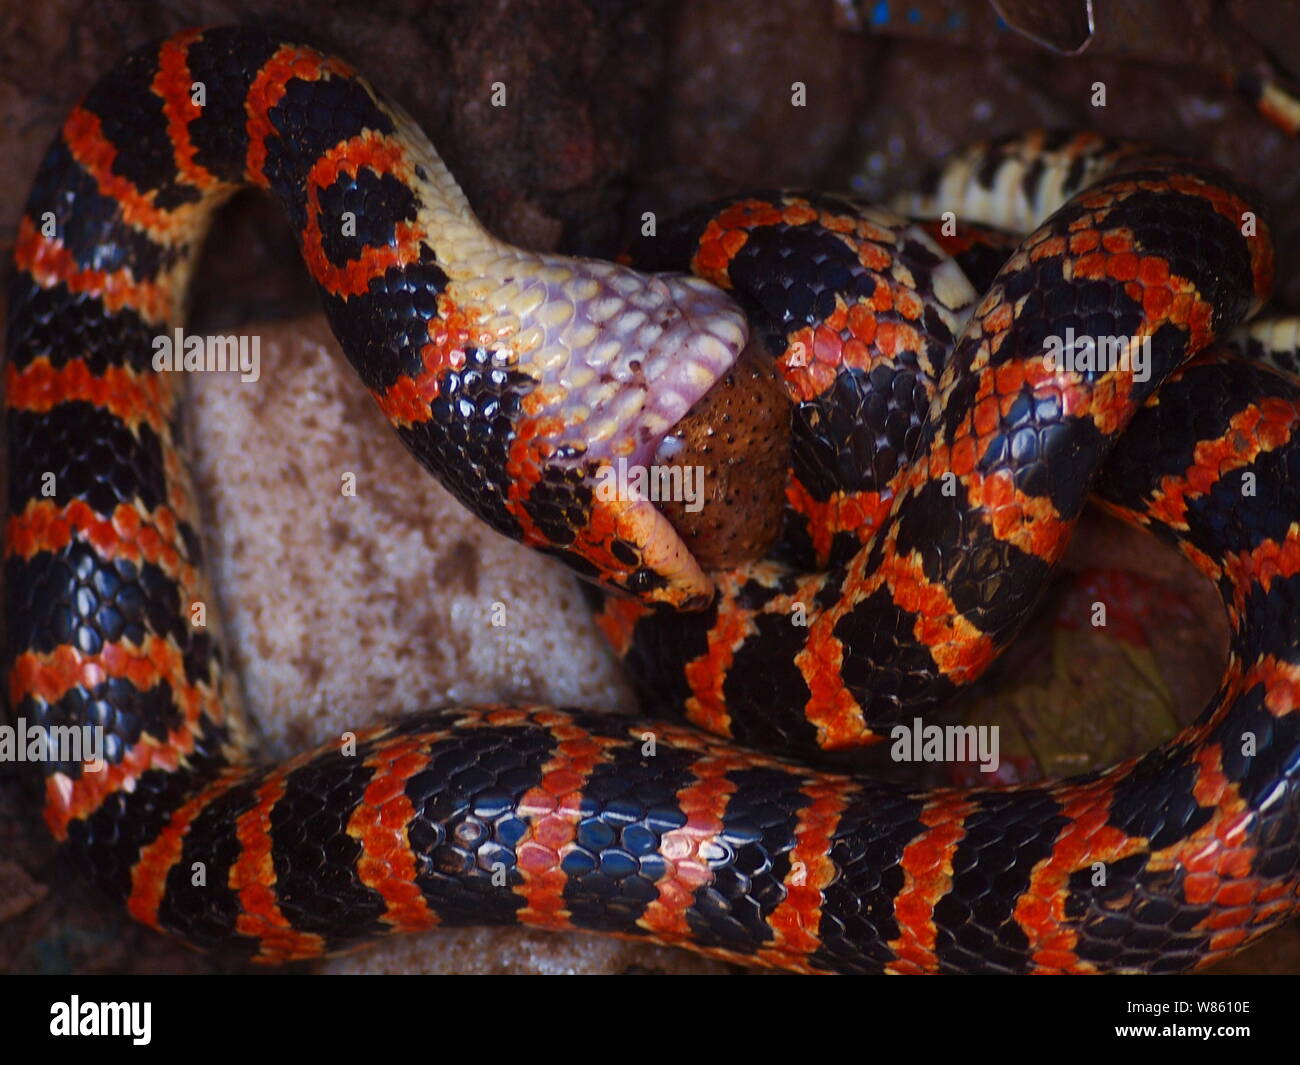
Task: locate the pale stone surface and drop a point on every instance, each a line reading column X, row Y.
column 518, row 951
column 343, row 611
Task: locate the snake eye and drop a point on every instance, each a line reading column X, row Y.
column 643, row 580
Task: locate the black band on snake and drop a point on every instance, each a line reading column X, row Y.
column 936, row 468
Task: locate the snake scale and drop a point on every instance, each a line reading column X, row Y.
column 937, row 466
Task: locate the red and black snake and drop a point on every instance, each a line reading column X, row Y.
column 513, row 376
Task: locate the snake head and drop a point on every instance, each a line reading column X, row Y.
column 622, row 363
column 594, row 412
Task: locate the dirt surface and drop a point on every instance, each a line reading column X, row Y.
column 343, row 610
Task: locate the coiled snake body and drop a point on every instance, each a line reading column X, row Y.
column 514, row 376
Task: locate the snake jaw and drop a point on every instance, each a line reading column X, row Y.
column 624, row 355
column 617, row 358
